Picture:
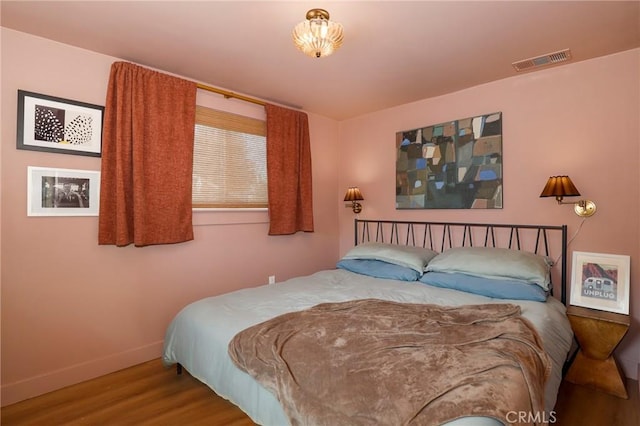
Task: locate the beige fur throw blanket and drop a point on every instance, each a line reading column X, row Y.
column 375, row 362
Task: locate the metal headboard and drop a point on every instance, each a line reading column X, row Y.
column 547, row 240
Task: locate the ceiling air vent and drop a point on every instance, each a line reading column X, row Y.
column 543, row 60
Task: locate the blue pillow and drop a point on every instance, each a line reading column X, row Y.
column 407, row 256
column 496, row 263
column 496, row 288
column 379, row 269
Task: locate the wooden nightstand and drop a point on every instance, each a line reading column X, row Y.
column 598, row 333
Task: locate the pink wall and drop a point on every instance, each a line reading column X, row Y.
column 71, row 309
column 580, row 119
column 111, row 312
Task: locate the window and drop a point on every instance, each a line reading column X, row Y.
column 229, row 161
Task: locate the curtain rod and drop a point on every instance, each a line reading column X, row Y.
column 228, row 94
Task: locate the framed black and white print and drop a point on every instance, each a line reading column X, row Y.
column 50, row 124
column 62, row 192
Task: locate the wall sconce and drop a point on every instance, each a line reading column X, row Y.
column 354, row 195
column 560, row 187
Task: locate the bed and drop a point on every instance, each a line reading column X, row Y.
column 446, row 267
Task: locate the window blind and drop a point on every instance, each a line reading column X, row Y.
column 229, row 160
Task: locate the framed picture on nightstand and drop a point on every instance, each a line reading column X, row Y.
column 600, row 281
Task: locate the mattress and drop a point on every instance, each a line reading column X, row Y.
column 199, row 335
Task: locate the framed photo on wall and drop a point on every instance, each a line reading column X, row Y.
column 600, row 281
column 452, row 165
column 50, row 124
column 62, row 192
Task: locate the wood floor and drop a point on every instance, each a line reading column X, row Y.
column 149, row 394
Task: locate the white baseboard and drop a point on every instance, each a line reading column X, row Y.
column 41, row 384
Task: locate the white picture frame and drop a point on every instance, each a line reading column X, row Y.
column 62, row 192
column 600, row 281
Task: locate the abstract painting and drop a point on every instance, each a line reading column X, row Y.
column 452, row 165
column 50, row 124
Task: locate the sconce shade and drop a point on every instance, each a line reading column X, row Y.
column 317, row 36
column 353, row 194
column 559, row 187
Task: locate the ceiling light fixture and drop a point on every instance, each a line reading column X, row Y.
column 317, row 36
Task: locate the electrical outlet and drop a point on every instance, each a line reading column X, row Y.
column 272, row 279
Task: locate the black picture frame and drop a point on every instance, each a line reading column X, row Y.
column 57, row 125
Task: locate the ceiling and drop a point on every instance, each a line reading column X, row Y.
column 394, row 52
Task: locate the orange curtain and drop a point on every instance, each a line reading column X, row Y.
column 289, row 171
column 147, row 158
